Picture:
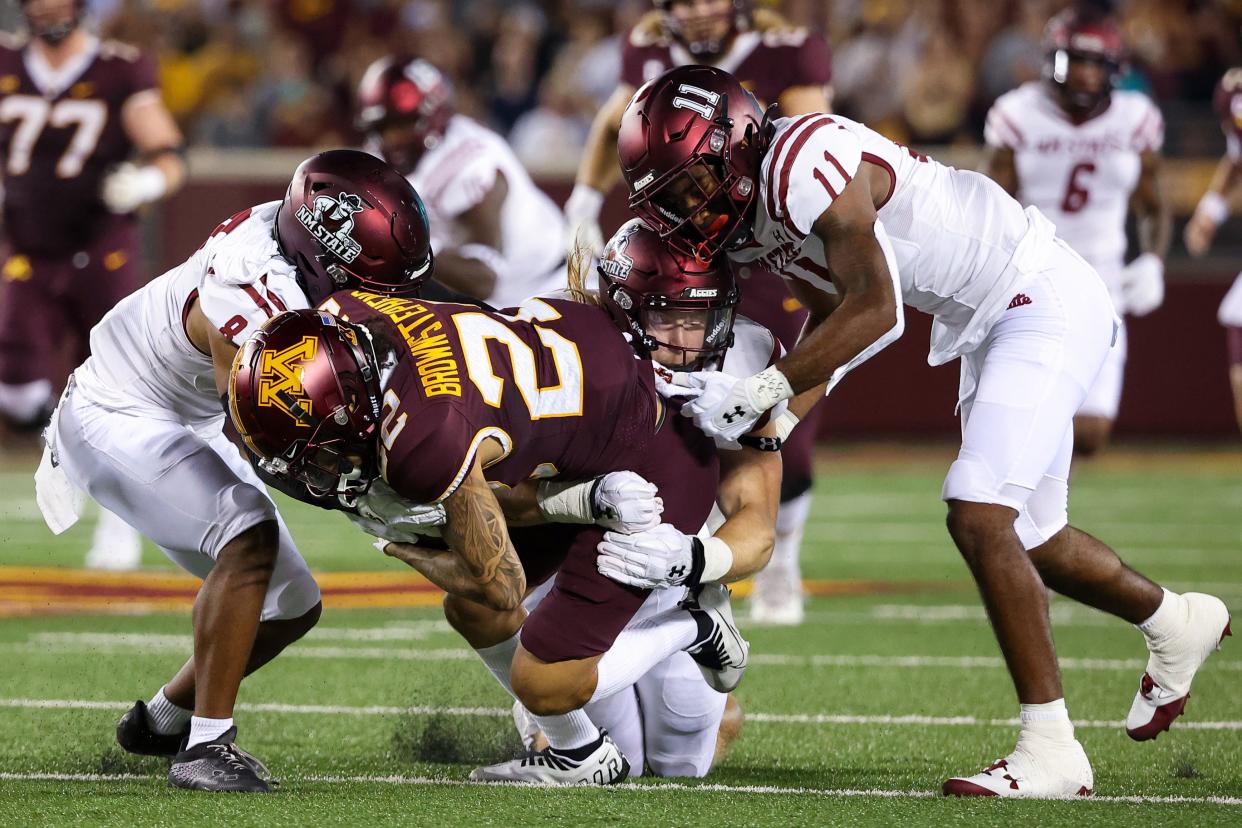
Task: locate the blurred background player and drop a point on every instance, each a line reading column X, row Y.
column 496, row 235
column 1086, row 155
column 1212, row 211
column 782, row 64
column 86, row 141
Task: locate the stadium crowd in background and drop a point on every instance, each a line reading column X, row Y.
column 256, row 73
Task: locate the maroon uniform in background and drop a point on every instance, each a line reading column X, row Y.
column 768, row 59
column 566, row 396
column 66, row 259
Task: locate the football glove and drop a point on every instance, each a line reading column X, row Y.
column 582, row 220
column 662, row 557
column 723, row 406
column 621, row 501
column 130, row 186
column 385, row 514
column 1142, row 284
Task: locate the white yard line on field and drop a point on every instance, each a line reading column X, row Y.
column 157, row 644
column 504, row 712
column 645, row 789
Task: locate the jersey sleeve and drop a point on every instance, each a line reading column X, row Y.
column 632, row 59
column 812, row 160
column 999, row 129
column 143, row 75
column 1148, row 136
column 467, row 185
column 239, row 307
column 431, row 454
column 1228, row 103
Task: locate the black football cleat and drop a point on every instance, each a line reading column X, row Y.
column 219, row 766
column 135, row 735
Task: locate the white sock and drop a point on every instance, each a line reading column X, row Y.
column 1167, row 619
column 565, row 732
column 206, row 730
column 640, row 647
column 1049, row 720
column 164, row 717
column 568, row 731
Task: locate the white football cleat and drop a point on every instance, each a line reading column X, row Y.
column 604, row 765
column 720, row 652
column 1037, row 769
column 1172, row 665
column 115, row 545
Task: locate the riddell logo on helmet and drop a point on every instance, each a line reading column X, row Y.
column 338, row 211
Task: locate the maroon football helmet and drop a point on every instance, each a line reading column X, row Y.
column 1089, row 35
column 405, row 107
column 690, row 146
column 44, row 24
column 304, row 396
column 677, row 308
column 701, row 37
column 349, row 219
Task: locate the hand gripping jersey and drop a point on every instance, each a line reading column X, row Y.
column 457, row 173
column 60, row 133
column 961, row 246
column 556, row 385
column 768, row 59
column 142, row 358
column 1079, row 176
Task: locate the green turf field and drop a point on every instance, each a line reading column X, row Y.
column 855, row 718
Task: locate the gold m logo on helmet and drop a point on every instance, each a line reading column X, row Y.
column 280, row 379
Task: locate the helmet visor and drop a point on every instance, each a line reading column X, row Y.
column 688, row 339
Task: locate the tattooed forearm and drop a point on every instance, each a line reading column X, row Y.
column 477, row 533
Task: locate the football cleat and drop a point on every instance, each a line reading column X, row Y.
column 134, row 734
column 720, row 651
column 1035, row 770
column 599, row 763
column 220, row 766
column 1171, row 667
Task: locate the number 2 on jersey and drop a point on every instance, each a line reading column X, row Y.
column 561, row 400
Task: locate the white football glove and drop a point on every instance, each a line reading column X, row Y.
column 1142, row 284
column 385, row 514
column 662, row 557
column 723, row 406
column 582, row 220
column 130, row 186
column 622, row 501
column 655, row 559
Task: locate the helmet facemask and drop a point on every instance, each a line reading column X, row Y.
column 686, row 338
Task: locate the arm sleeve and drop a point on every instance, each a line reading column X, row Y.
column 811, row 165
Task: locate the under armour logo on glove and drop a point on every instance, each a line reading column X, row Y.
column 736, row 413
column 676, row 572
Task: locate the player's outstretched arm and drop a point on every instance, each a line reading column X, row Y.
column 869, row 315
column 1214, row 207
column 598, row 172
column 749, row 496
column 484, row 567
column 161, row 169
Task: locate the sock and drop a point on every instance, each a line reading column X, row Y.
column 569, row 731
column 643, row 645
column 1049, row 720
column 565, row 732
column 164, row 717
column 1167, row 619
column 206, row 730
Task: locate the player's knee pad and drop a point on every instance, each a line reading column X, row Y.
column 240, row 507
column 291, row 598
column 1046, row 513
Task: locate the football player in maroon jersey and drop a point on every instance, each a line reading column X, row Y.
column 85, row 140
column 1212, row 211
column 782, row 64
column 473, row 399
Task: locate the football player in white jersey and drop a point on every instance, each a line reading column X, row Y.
column 821, row 199
column 140, row 430
column 671, row 720
column 1086, row 155
column 1212, row 211
column 496, row 236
